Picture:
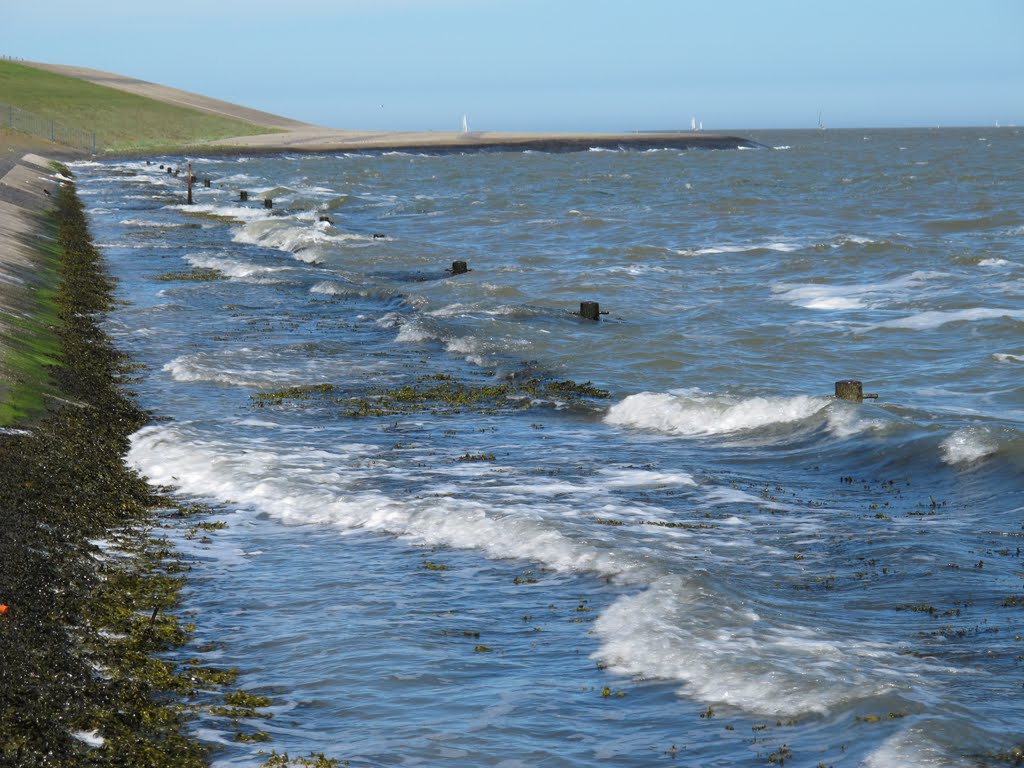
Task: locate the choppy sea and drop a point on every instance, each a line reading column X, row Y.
column 436, row 552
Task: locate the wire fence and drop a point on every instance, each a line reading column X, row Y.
column 17, row 119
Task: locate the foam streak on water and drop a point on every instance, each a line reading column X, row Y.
column 716, row 551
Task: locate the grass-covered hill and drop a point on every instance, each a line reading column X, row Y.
column 122, row 122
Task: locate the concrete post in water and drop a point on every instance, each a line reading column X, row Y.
column 190, row 179
column 243, row 196
column 268, row 203
column 590, row 310
column 852, row 390
column 459, row 268
column 206, row 183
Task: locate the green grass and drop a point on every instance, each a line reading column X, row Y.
column 122, row 122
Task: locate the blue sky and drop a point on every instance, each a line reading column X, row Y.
column 556, row 65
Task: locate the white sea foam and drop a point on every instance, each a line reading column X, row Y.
column 150, row 223
column 323, row 487
column 726, row 652
column 912, row 748
column 690, row 413
column 257, row 368
column 230, row 267
column 233, row 212
column 968, row 444
column 90, row 738
column 413, row 333
column 924, row 321
column 1005, row 357
column 643, row 478
column 781, row 246
column 852, row 295
column 292, row 236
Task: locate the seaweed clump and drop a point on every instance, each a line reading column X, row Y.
column 81, row 681
column 439, row 394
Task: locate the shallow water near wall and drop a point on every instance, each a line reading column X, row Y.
column 437, row 552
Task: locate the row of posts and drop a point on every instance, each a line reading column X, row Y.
column 847, row 389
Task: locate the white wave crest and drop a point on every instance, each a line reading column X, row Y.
column 696, row 414
column 854, row 295
column 250, row 367
column 734, row 656
column 911, row 748
column 924, row 321
column 321, row 487
column 151, row 223
column 293, row 236
column 234, row 212
column 230, row 267
column 967, row 445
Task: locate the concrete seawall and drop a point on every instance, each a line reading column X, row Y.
column 27, row 191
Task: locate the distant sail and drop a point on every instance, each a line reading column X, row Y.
column 465, row 124
column 693, row 123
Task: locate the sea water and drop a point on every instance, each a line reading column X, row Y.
column 715, row 564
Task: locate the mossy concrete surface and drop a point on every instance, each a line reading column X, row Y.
column 28, row 263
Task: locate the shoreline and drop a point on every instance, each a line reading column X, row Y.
column 288, row 135
column 95, row 669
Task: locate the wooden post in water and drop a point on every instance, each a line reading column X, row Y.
column 590, row 310
column 268, row 203
column 327, row 219
column 852, row 390
column 459, row 268
column 190, row 178
column 206, row 183
column 243, row 196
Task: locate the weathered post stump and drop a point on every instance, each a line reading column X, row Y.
column 243, row 196
column 852, row 390
column 327, row 219
column 268, row 203
column 206, row 183
column 590, row 310
column 459, row 268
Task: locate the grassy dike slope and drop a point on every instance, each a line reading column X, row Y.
column 122, row 121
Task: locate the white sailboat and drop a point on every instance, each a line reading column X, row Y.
column 465, row 124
